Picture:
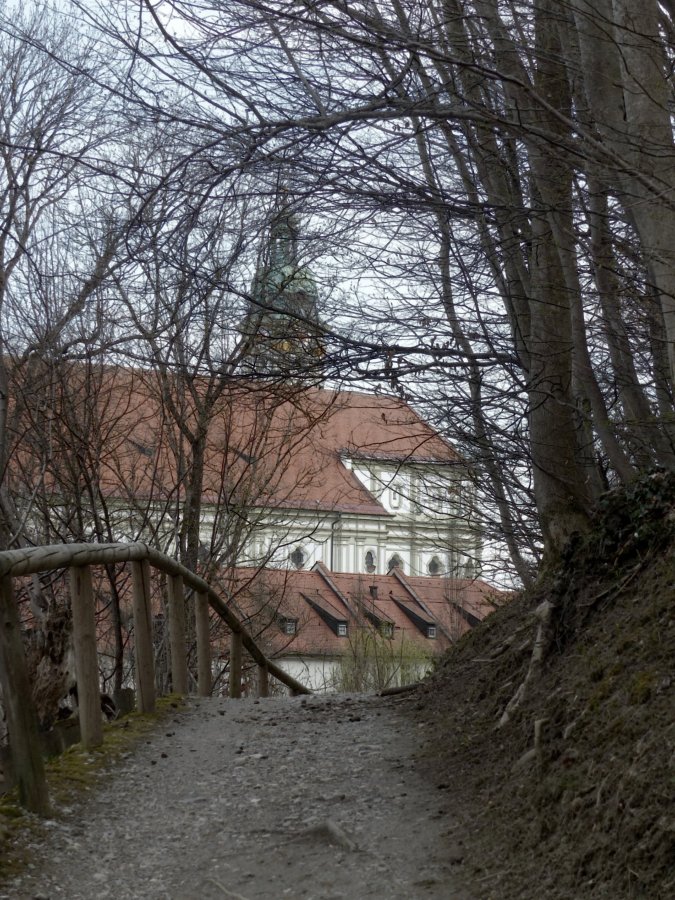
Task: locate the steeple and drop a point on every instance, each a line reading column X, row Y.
column 283, row 322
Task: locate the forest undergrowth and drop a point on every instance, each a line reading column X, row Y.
column 573, row 796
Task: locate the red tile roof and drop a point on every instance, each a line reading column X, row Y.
column 272, row 595
column 262, row 448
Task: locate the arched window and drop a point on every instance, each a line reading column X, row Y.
column 297, row 558
column 370, row 562
column 395, row 562
column 435, row 566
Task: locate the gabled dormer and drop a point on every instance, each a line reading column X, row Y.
column 374, row 613
column 330, row 582
column 331, row 615
column 424, row 624
column 468, row 617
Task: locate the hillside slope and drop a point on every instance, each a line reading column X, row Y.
column 574, row 796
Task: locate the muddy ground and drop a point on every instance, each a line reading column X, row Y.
column 575, row 797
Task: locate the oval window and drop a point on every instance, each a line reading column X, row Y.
column 395, row 562
column 434, row 567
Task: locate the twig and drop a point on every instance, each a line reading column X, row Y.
column 225, row 891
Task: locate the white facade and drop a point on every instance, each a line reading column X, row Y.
column 326, row 674
column 425, row 526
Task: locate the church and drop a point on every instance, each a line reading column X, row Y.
column 325, row 514
column 371, row 530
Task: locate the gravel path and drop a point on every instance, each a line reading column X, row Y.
column 315, row 798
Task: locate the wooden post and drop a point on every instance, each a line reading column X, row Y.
column 144, row 651
column 263, row 681
column 86, row 658
column 235, row 665
column 179, row 669
column 204, row 676
column 24, row 746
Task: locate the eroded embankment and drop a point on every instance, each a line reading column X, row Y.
column 575, row 796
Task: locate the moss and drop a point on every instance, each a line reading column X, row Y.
column 69, row 777
column 641, row 687
column 604, row 689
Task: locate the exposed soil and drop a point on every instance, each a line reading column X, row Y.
column 590, row 812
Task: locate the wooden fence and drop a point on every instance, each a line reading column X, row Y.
column 78, row 558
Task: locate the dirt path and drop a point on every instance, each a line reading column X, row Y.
column 303, row 798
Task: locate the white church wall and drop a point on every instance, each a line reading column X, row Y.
column 425, row 519
column 317, row 673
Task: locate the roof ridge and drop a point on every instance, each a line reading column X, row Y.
column 324, row 573
column 408, row 587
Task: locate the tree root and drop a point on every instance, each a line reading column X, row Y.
column 543, row 613
column 535, row 755
column 509, row 642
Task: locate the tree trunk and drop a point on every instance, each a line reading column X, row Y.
column 21, row 717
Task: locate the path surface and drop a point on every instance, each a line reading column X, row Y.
column 311, row 798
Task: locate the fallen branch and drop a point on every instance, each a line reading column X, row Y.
column 401, row 689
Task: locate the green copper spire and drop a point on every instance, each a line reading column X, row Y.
column 283, row 320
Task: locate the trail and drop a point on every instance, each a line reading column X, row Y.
column 316, row 798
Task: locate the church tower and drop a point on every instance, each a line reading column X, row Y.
column 282, row 325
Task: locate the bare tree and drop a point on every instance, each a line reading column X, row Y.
column 495, row 150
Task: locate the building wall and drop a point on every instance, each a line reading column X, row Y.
column 426, row 524
column 325, row 674
column 427, row 518
column 318, row 674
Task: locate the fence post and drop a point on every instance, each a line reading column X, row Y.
column 235, row 665
column 86, row 658
column 179, row 669
column 144, row 651
column 263, row 681
column 24, row 745
column 204, row 676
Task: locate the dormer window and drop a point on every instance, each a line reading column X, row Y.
column 288, row 625
column 370, row 562
column 342, row 629
column 297, row 558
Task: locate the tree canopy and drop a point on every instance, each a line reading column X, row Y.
column 486, row 195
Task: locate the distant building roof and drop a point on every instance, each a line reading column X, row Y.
column 317, row 599
column 280, row 451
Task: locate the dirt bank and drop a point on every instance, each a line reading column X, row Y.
column 575, row 797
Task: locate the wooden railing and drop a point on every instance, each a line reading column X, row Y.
column 78, row 558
